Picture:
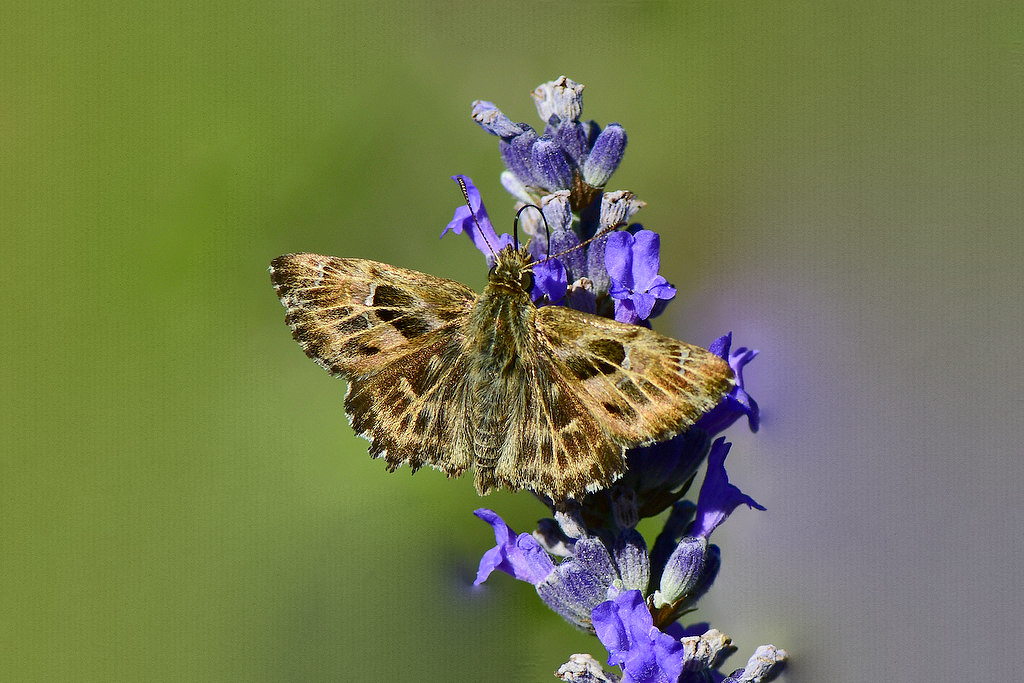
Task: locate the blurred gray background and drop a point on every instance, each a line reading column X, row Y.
column 181, row 497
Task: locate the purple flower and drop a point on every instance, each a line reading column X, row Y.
column 521, row 557
column 625, row 627
column 580, row 582
column 633, row 263
column 737, row 402
column 567, row 151
column 718, row 498
column 550, row 280
column 485, row 239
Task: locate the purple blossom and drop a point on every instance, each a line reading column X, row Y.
column 521, row 557
column 718, row 498
column 550, row 280
column 737, row 402
column 606, row 580
column 567, row 150
column 633, row 263
column 485, row 238
column 580, row 582
column 625, row 627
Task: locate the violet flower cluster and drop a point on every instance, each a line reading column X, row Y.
column 588, row 562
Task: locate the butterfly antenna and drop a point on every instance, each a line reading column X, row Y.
column 601, row 233
column 469, row 205
column 515, row 225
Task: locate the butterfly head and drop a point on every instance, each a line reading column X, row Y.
column 512, row 270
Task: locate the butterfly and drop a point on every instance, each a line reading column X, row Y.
column 546, row 399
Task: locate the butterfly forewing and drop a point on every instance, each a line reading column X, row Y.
column 352, row 315
column 641, row 386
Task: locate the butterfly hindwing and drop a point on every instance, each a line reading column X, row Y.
column 413, row 409
column 558, row 447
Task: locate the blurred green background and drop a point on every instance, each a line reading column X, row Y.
column 181, row 497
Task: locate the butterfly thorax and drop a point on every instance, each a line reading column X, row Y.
column 502, row 338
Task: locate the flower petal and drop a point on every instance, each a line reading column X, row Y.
column 737, row 402
column 625, row 312
column 646, row 259
column 550, row 280
column 643, row 304
column 479, row 230
column 718, row 498
column 618, row 259
column 625, row 626
column 521, row 557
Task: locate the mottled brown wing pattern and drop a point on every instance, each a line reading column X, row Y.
column 413, row 410
column 352, row 315
column 557, row 447
column 395, row 335
column 641, row 386
column 544, row 399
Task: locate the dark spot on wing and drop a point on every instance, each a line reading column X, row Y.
column 391, row 297
column 560, row 417
column 625, row 411
column 368, row 349
column 353, row 325
column 581, row 367
column 631, row 391
column 607, row 349
column 411, row 325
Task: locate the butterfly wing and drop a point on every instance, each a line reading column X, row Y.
column 395, row 334
column 642, row 386
column 353, row 315
column 414, row 409
column 598, row 387
column 556, row 446
column 592, row 388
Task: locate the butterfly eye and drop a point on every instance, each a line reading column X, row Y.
column 526, row 281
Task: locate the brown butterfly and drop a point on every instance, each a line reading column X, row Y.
column 546, row 399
